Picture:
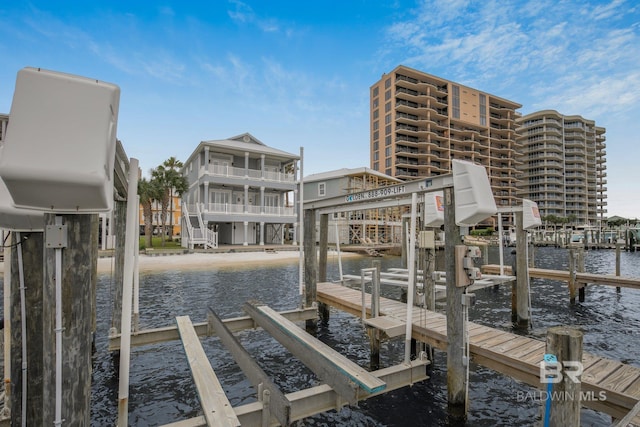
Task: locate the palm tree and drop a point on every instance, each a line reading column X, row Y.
column 178, row 184
column 169, row 180
column 148, row 192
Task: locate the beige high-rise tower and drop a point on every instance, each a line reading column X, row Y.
column 420, row 122
column 564, row 166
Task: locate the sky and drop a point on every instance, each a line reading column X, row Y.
column 297, row 73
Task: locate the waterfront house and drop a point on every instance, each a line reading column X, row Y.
column 241, row 192
column 373, row 226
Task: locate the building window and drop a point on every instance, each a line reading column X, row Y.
column 483, row 109
column 375, row 155
column 376, row 165
column 375, row 91
column 387, row 162
column 387, row 130
column 387, row 140
column 322, row 189
column 375, row 114
column 387, row 95
column 388, row 171
column 375, row 146
column 387, row 151
column 375, row 103
column 387, row 83
column 387, row 107
column 387, row 119
column 375, row 135
column 456, row 101
column 375, row 125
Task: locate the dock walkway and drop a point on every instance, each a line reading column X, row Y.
column 510, row 354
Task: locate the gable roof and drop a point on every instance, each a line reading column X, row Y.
column 340, row 173
column 243, row 143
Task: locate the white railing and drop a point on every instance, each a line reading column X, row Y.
column 233, row 208
column 204, row 237
column 279, row 210
column 219, row 170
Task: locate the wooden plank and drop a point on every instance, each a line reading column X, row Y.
column 215, row 405
column 600, row 370
column 633, row 389
column 526, row 349
column 589, row 359
column 621, row 378
column 487, row 335
column 392, row 327
column 535, row 356
column 277, row 404
column 493, row 342
column 340, row 373
column 515, row 342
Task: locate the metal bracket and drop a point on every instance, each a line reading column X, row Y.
column 56, row 236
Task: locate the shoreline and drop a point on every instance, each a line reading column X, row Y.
column 209, row 261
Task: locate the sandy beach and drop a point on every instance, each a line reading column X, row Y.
column 205, row 261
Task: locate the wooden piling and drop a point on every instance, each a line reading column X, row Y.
column 522, row 278
column 310, row 266
column 572, row 276
column 580, row 269
column 618, row 264
column 456, row 369
column 374, row 347
column 119, row 229
column 31, row 245
column 323, row 309
column 78, row 264
column 565, row 343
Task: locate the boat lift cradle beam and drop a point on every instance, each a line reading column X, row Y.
column 170, row 333
column 343, row 375
column 273, row 400
column 215, row 405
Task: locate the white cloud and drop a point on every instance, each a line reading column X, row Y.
column 244, row 14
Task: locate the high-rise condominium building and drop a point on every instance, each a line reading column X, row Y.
column 564, row 166
column 420, row 122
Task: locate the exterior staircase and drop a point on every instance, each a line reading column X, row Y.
column 197, row 233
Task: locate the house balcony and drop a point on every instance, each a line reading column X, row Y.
column 253, row 174
column 239, row 208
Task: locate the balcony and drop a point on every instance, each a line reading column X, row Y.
column 238, row 208
column 256, row 174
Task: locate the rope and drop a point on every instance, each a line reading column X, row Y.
column 548, row 358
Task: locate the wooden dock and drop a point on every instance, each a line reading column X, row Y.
column 510, row 354
column 564, row 276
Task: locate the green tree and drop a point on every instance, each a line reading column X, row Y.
column 170, row 182
column 148, row 192
column 178, row 184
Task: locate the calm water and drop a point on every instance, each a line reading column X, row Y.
column 162, row 388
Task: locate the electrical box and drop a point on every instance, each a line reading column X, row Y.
column 427, row 239
column 473, row 195
column 466, row 271
column 59, row 148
